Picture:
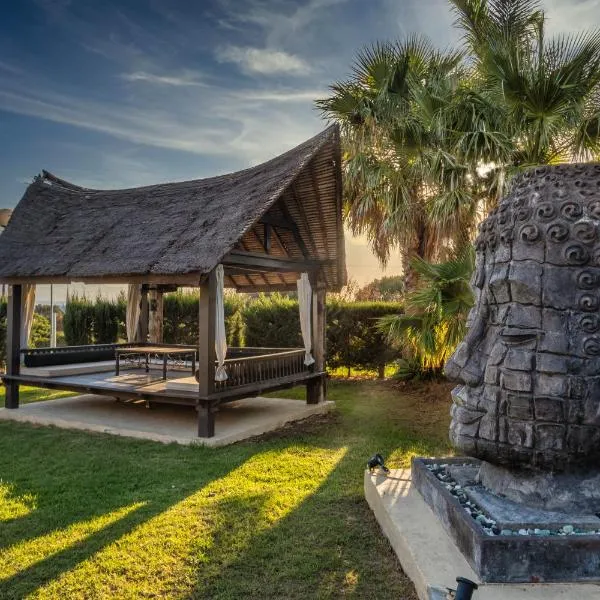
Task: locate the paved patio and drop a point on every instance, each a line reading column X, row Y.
column 235, row 421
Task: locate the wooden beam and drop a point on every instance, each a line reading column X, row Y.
column 280, row 242
column 296, row 231
column 267, row 237
column 316, row 391
column 286, row 223
column 206, row 344
column 13, row 344
column 266, row 242
column 155, row 315
column 341, row 248
column 243, row 245
column 253, row 231
column 321, row 221
column 269, row 287
column 271, row 263
column 142, row 330
column 187, row 279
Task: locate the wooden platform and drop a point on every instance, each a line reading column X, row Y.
column 133, row 383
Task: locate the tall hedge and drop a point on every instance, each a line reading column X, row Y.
column 180, row 318
column 352, row 339
column 107, row 317
column 79, row 321
column 273, row 322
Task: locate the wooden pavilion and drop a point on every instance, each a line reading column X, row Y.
column 260, row 228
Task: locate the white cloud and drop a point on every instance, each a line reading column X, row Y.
column 282, row 95
column 574, row 16
column 242, row 126
column 262, row 60
column 4, row 66
column 183, row 79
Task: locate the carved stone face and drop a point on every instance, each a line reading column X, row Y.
column 530, row 363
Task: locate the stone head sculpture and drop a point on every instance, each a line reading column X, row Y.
column 530, row 362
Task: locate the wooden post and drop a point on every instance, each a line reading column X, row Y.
column 206, row 420
column 155, row 320
column 13, row 344
column 206, row 354
column 142, row 335
column 316, row 390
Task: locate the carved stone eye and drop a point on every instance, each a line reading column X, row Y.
column 585, row 231
column 589, row 323
column 545, row 211
column 588, row 303
column 529, row 233
column 506, row 237
column 557, row 232
column 586, row 280
column 576, row 254
column 571, row 210
column 594, row 209
column 591, row 346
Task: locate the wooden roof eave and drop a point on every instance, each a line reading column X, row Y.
column 182, row 280
column 334, row 138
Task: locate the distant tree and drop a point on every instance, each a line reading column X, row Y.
column 389, row 289
column 347, row 293
column 40, row 332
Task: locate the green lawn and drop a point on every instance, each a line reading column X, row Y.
column 96, row 516
column 31, row 394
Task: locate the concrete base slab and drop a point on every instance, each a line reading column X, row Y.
column 428, row 555
column 235, row 421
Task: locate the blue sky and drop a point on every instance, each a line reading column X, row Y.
column 125, row 93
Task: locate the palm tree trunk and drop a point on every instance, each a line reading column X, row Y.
column 418, row 248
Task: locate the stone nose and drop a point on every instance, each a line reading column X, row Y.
column 452, row 370
column 465, row 366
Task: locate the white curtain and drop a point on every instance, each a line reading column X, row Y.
column 304, row 304
column 220, row 337
column 27, row 308
column 132, row 317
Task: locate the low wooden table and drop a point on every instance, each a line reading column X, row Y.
column 159, row 350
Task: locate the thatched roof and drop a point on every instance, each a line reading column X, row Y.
column 175, row 232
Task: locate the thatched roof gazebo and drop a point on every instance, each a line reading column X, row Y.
column 254, row 230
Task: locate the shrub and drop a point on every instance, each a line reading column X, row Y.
column 40, row 332
column 353, row 340
column 107, row 318
column 180, row 317
column 436, row 316
column 236, row 330
column 273, row 321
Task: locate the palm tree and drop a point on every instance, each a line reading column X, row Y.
column 435, row 315
column 547, row 90
column 415, row 134
column 431, row 137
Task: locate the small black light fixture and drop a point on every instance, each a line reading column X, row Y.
column 464, row 590
column 376, row 461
